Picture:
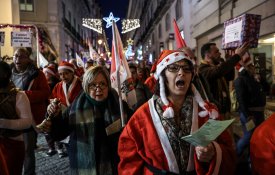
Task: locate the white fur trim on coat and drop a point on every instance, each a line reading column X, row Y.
column 166, row 146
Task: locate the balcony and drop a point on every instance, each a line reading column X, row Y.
column 73, row 33
column 162, row 8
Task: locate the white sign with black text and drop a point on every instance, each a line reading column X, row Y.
column 233, row 32
column 21, row 39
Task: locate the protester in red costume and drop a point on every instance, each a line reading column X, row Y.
column 79, row 71
column 30, row 79
column 262, row 148
column 66, row 91
column 151, row 141
column 151, row 81
column 51, row 75
column 69, row 87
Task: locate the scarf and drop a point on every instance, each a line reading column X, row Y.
column 95, row 153
column 23, row 80
column 174, row 132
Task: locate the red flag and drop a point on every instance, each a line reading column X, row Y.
column 119, row 63
column 179, row 40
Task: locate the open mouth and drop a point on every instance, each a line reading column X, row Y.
column 99, row 95
column 180, row 83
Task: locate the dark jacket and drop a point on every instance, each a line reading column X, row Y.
column 37, row 89
column 218, row 77
column 143, row 94
column 249, row 92
column 91, row 151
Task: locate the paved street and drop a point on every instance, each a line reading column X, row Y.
column 49, row 165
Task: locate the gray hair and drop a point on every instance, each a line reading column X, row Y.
column 90, row 75
column 23, row 50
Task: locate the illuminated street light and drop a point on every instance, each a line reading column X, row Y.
column 99, row 41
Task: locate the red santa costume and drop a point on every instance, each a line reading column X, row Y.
column 151, row 81
column 145, row 144
column 59, row 91
column 262, row 148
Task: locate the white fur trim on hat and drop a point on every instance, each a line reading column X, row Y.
column 170, row 59
column 47, row 70
column 66, row 67
column 212, row 112
column 168, row 110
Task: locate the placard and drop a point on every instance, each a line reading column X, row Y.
column 244, row 28
column 21, row 39
column 233, row 32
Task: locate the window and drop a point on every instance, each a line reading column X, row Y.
column 178, row 9
column 167, row 22
column 160, row 33
column 26, row 5
column 70, row 17
column 63, row 10
column 152, row 11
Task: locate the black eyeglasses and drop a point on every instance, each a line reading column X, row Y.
column 100, row 85
column 176, row 68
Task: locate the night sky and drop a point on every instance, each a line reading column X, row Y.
column 118, row 8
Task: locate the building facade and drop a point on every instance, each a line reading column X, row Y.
column 61, row 21
column 156, row 32
column 207, row 21
column 200, row 21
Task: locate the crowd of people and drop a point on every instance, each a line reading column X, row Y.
column 77, row 107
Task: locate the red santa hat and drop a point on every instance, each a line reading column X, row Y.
column 66, row 65
column 154, row 67
column 50, row 69
column 166, row 58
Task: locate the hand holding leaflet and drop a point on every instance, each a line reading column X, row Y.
column 208, row 132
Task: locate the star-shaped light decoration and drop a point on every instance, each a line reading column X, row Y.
column 110, row 19
column 130, row 41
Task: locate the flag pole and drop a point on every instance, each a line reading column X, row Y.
column 117, row 59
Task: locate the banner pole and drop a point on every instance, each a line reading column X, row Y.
column 123, row 120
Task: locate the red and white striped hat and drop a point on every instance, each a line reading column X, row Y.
column 66, row 65
column 50, row 69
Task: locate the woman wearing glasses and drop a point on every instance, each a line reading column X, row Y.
column 150, row 143
column 93, row 114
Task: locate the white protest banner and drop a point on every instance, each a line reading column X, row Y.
column 21, row 39
column 2, row 38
